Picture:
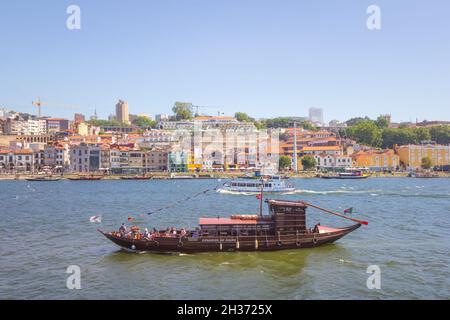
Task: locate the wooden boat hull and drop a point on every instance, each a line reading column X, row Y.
column 230, row 244
column 34, row 179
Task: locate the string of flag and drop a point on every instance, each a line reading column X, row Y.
column 173, row 204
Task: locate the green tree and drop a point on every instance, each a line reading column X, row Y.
column 440, row 134
column 366, row 132
column 355, row 121
column 183, row 110
column 382, row 122
column 399, row 136
column 421, row 134
column 285, row 162
column 426, row 163
column 308, row 162
column 288, row 122
column 143, row 121
column 107, row 123
column 242, row 116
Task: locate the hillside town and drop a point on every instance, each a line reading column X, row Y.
column 138, row 144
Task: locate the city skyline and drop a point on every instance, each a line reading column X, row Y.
column 153, row 54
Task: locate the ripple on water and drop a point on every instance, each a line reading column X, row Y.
column 407, row 237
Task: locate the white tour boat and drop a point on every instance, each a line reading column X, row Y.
column 270, row 184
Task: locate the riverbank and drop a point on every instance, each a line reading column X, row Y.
column 221, row 175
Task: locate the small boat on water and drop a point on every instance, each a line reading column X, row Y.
column 86, row 177
column 46, row 178
column 423, row 175
column 283, row 228
column 270, row 184
column 349, row 173
column 144, row 177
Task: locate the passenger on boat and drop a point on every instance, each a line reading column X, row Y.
column 316, row 228
column 146, row 233
column 182, row 232
column 123, row 229
column 196, row 233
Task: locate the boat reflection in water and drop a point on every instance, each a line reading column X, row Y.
column 283, row 228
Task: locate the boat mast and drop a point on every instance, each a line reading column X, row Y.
column 261, row 197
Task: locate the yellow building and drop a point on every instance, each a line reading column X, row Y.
column 411, row 155
column 376, row 159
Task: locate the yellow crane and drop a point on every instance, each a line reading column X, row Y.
column 39, row 104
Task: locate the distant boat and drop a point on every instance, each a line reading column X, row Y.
column 89, row 177
column 43, row 179
column 348, row 174
column 144, row 177
column 270, row 184
column 423, row 175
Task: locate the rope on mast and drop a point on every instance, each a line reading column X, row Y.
column 335, row 213
column 204, row 192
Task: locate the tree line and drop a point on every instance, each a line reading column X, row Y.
column 377, row 133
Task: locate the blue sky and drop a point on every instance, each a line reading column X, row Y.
column 266, row 58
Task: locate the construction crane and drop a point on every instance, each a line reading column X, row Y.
column 207, row 107
column 37, row 104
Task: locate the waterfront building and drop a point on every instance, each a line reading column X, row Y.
column 16, row 161
column 38, row 155
column 105, row 157
column 57, row 156
column 122, row 114
column 331, row 161
column 317, row 150
column 156, row 160
column 411, row 155
column 178, row 161
column 376, row 160
column 85, row 158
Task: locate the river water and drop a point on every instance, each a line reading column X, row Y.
column 44, row 228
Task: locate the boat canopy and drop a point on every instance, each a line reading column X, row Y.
column 225, row 221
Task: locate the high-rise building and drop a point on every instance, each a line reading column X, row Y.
column 316, row 115
column 122, row 114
